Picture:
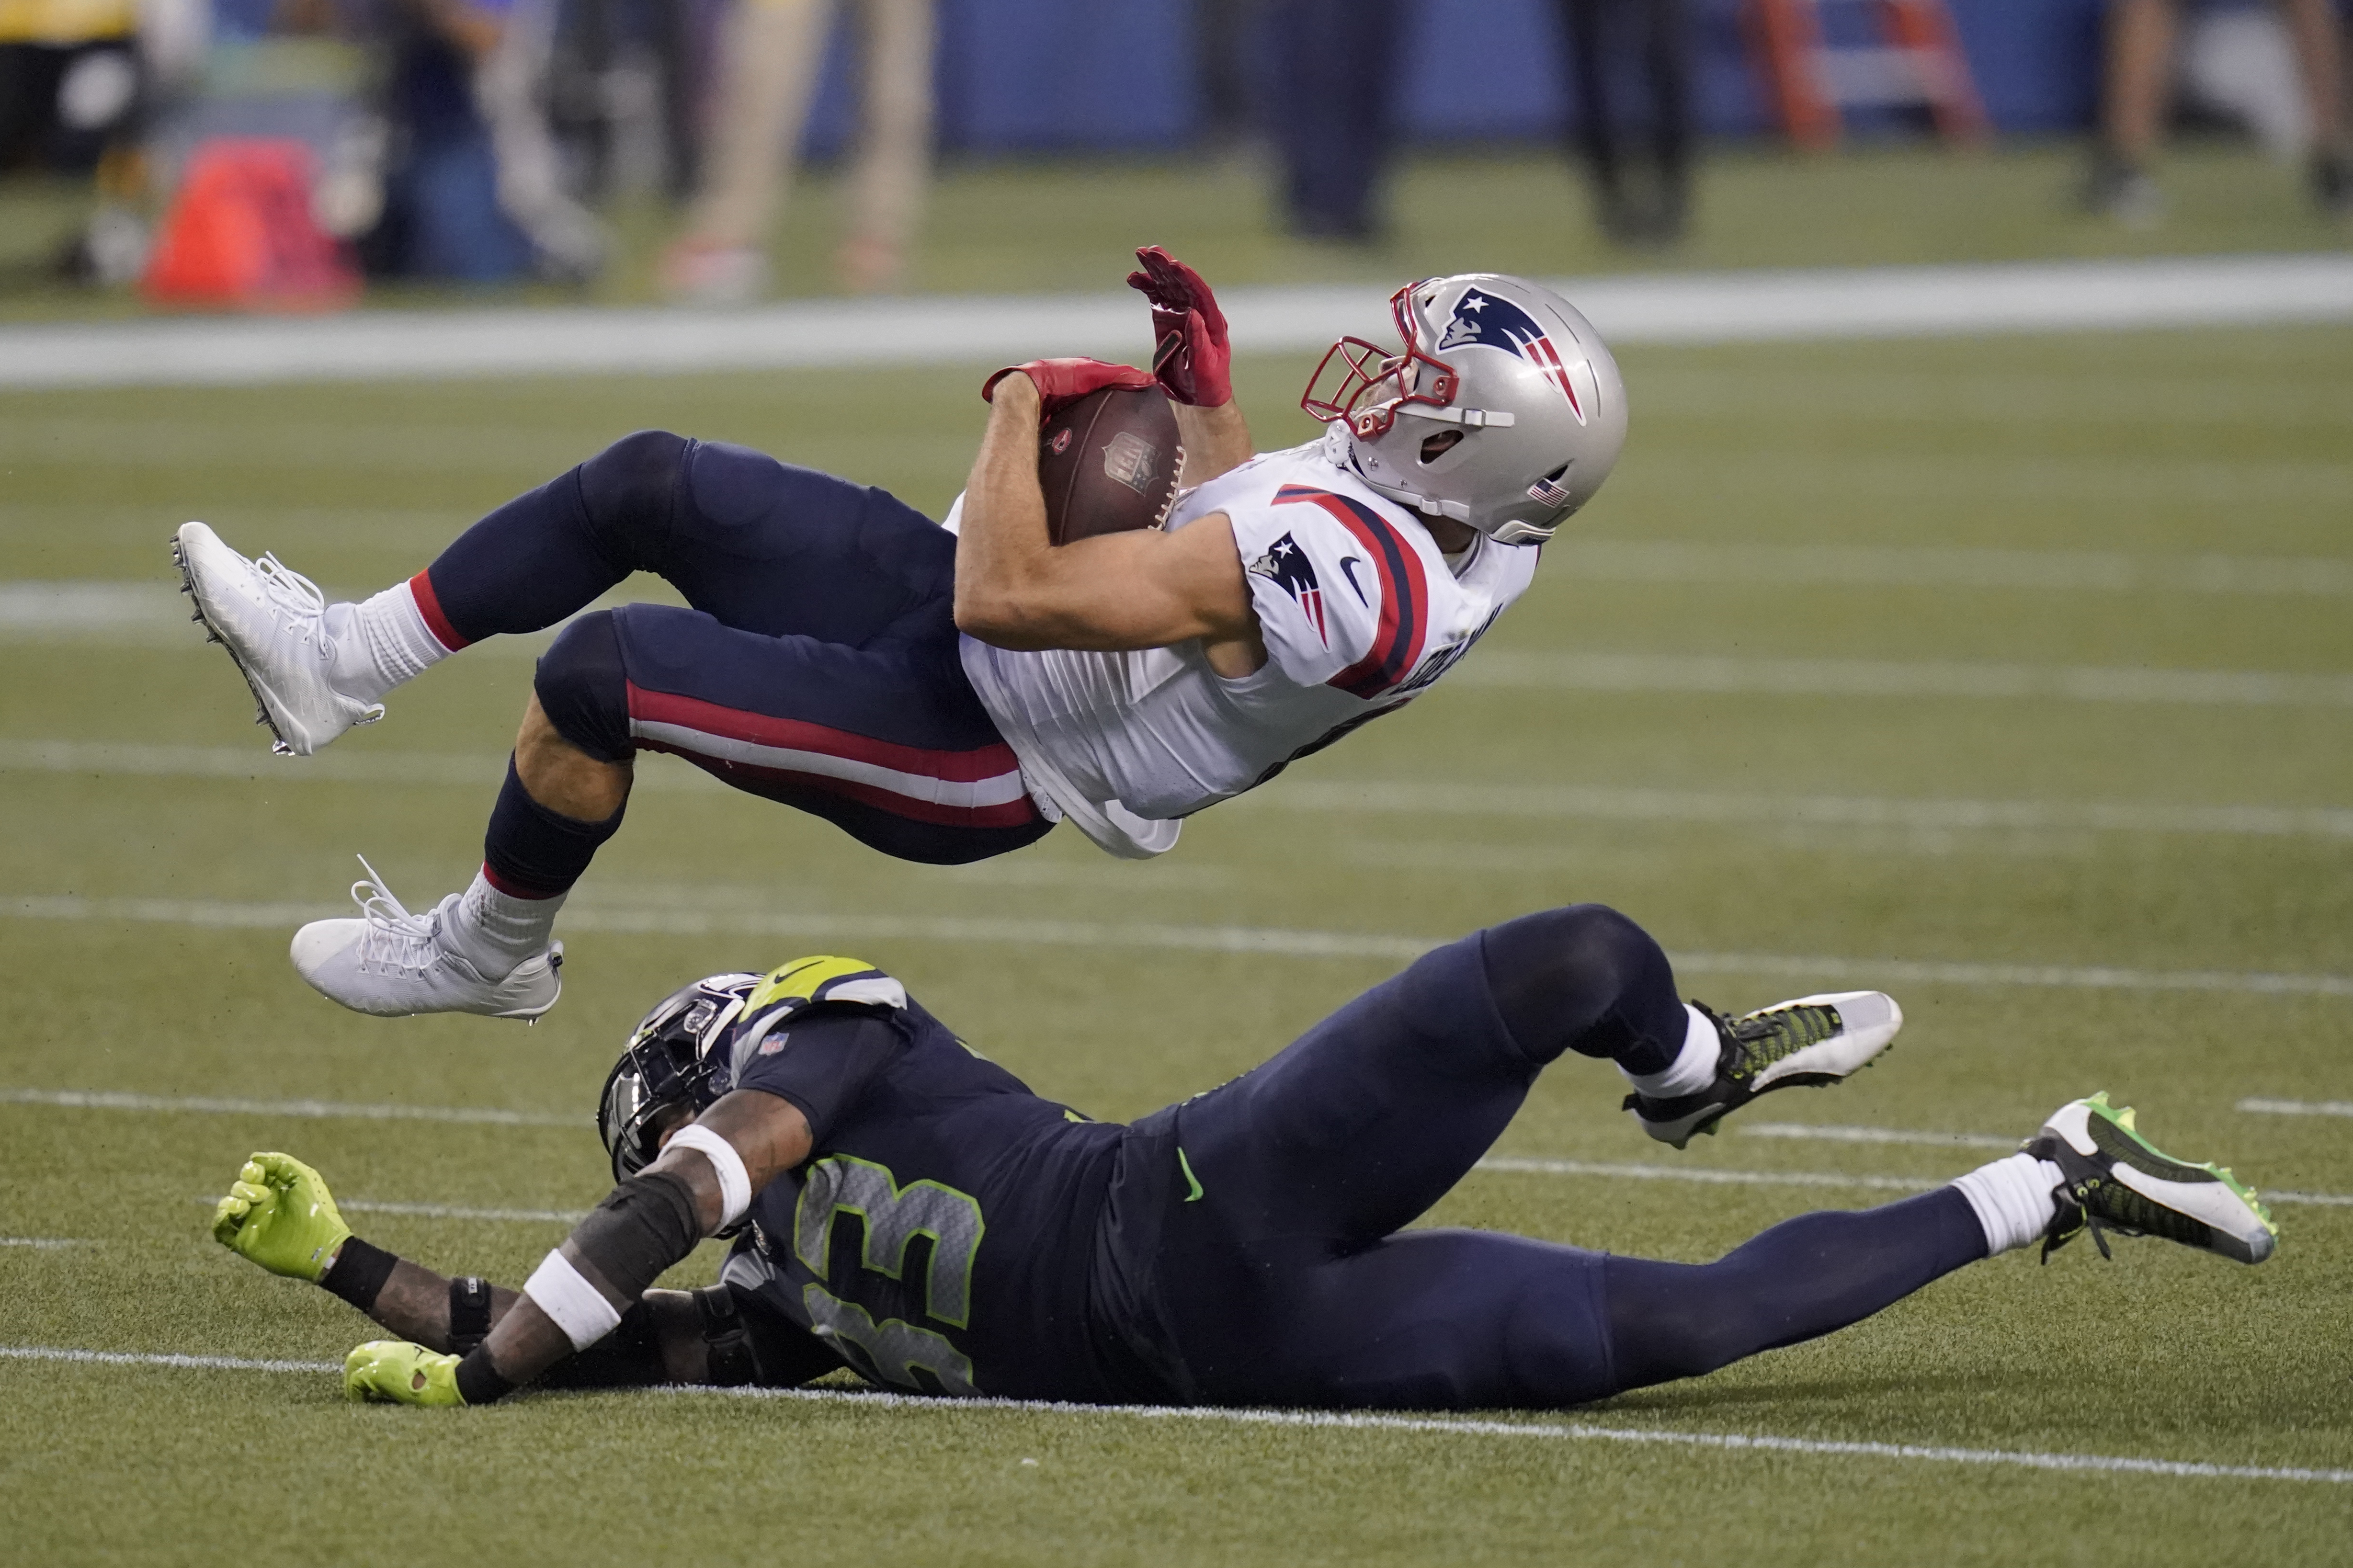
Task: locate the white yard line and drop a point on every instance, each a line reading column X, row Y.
column 444, row 1210
column 1945, row 566
column 133, row 1358
column 1240, row 941
column 2299, row 1107
column 1350, row 1421
column 1705, row 1176
column 308, row 1110
column 1701, row 674
column 1686, row 308
column 44, row 1243
column 110, row 759
column 1874, row 1135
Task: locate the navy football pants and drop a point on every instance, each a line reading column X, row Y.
column 818, row 667
column 1271, row 1248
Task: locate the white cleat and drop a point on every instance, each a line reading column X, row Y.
column 1810, row 1042
column 2113, row 1179
column 394, row 964
column 273, row 622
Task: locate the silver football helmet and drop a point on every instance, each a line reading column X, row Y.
column 1502, row 409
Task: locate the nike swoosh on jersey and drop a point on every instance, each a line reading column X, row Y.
column 1348, row 564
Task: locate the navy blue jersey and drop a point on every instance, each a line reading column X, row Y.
column 941, row 1234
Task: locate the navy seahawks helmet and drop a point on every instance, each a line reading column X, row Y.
column 673, row 1060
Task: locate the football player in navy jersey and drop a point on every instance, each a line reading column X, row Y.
column 945, row 693
column 904, row 1207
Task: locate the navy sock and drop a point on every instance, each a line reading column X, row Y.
column 1589, row 980
column 531, row 852
column 1797, row 1281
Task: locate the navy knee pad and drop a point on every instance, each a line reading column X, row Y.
column 628, row 491
column 1584, row 979
column 584, row 690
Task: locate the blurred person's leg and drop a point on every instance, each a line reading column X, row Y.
column 1335, row 76
column 2138, row 90
column 894, row 166
column 769, row 55
column 1667, row 62
column 1640, row 164
column 2316, row 31
column 1594, row 131
column 568, row 241
column 671, row 27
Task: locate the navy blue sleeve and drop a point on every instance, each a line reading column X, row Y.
column 823, row 1060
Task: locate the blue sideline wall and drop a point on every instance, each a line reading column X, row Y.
column 1072, row 75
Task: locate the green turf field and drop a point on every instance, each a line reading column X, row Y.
column 1027, row 224
column 1890, row 518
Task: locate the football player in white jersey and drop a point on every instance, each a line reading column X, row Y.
column 947, row 698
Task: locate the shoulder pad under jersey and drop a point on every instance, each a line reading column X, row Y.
column 789, row 990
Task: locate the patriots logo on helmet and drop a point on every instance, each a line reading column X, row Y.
column 1287, row 567
column 1483, row 321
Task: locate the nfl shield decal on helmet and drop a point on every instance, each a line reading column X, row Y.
column 1486, row 321
column 1287, row 567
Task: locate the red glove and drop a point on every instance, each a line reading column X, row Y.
column 1062, row 381
column 1189, row 353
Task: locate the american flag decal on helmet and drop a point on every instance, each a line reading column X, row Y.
column 1486, row 321
column 1549, row 491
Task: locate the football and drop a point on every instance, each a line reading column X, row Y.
column 1108, row 463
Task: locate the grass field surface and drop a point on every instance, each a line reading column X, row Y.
column 2138, row 883
column 1049, row 225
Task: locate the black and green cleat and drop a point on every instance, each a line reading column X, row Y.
column 1810, row 1042
column 2117, row 1180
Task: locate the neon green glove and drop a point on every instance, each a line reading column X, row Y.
column 279, row 1215
column 394, row 1372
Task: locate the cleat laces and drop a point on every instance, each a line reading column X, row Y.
column 1763, row 1038
column 300, row 602
column 396, row 942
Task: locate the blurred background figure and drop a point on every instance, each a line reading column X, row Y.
column 623, row 89
column 2233, row 68
column 767, row 72
column 1331, row 111
column 77, row 81
column 473, row 186
column 1639, row 162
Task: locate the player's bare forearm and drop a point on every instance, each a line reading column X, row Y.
column 415, row 1304
column 1014, row 589
column 1003, row 541
column 1216, row 440
column 769, row 1136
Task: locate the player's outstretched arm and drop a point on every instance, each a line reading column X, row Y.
column 702, row 1181
column 280, row 1215
column 1143, row 588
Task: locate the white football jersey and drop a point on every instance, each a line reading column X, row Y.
column 1359, row 612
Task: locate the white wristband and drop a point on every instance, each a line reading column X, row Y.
column 734, row 1180
column 571, row 1303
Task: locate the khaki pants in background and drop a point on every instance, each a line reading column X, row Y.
column 771, row 50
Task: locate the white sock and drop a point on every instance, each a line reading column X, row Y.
column 1694, row 1066
column 2013, row 1200
column 381, row 642
column 495, row 932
